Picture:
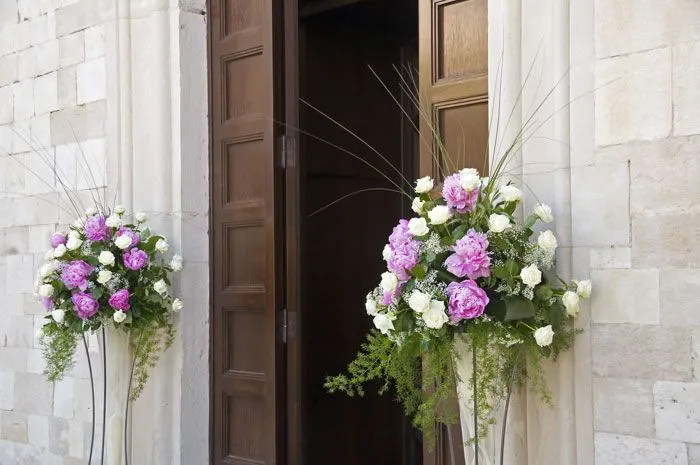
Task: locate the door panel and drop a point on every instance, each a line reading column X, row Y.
column 453, row 85
column 243, row 230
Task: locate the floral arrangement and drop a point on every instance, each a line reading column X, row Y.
column 463, row 267
column 106, row 270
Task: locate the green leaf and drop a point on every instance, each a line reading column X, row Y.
column 510, row 207
column 512, row 267
column 530, row 222
column 459, row 232
column 430, row 257
column 446, row 241
column 418, row 272
column 518, row 308
column 145, row 234
column 557, row 313
column 500, row 271
column 449, row 277
column 497, row 309
column 498, row 242
column 404, row 322
column 543, row 292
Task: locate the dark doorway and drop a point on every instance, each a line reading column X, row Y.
column 340, row 246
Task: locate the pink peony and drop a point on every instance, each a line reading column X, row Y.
column 85, row 305
column 456, row 197
column 120, row 300
column 470, row 257
column 96, row 228
column 74, row 275
column 58, row 239
column 135, row 259
column 135, row 237
column 466, row 300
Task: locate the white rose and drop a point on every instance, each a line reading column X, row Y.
column 387, row 253
column 49, row 255
column 90, row 211
column 46, row 290
column 104, row 276
column 544, row 335
column 571, row 302
column 122, row 241
column 584, row 288
column 47, row 269
column 531, row 276
column 419, row 301
column 424, row 185
column 160, row 286
column 113, row 221
column 119, row 316
column 119, row 209
column 176, row 263
column 418, row 227
column 383, row 323
column 106, row 258
column 371, row 306
column 469, row 179
column 547, row 241
column 439, row 214
column 435, row 317
column 544, row 213
column 498, row 223
column 510, row 193
column 162, row 245
column 417, row 205
column 177, row 305
column 74, row 242
column 140, row 217
column 59, row 251
column 58, row 315
column 389, row 281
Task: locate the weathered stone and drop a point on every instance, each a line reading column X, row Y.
column 686, row 94
column 94, row 42
column 92, row 174
column 611, row 257
column 40, row 127
column 625, row 296
column 13, row 427
column 677, row 411
column 666, row 241
column 71, row 49
column 613, row 449
column 46, row 93
column 46, row 57
column 24, row 99
column 623, row 406
column 38, row 430
column 16, row 330
column 7, row 390
column 641, row 352
column 42, row 28
column 693, row 454
column 601, row 212
column 67, row 87
column 78, row 124
column 63, row 398
column 8, row 69
column 21, row 279
column 92, row 80
column 26, row 64
column 633, row 97
column 679, row 293
column 66, row 437
column 35, row 361
column 33, row 394
column 6, row 104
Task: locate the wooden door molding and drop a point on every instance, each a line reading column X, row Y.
column 244, row 231
column 453, row 87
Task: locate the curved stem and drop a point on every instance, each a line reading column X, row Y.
column 476, row 415
column 505, row 412
column 126, row 409
column 92, row 393
column 104, row 393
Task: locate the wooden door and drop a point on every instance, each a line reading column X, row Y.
column 453, row 66
column 244, row 231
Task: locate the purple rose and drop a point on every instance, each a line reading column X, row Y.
column 85, row 305
column 135, row 237
column 456, row 197
column 74, row 275
column 120, row 300
column 466, row 300
column 470, row 257
column 47, row 302
column 135, row 259
column 58, row 239
column 96, row 228
column 405, row 252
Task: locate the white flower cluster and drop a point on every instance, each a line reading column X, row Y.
column 431, row 284
column 432, row 244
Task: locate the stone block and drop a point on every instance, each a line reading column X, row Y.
column 92, row 165
column 66, row 437
column 22, row 36
column 67, row 87
column 614, row 449
column 13, row 358
column 16, row 241
column 76, row 16
column 669, row 165
column 13, row 427
column 67, row 159
column 35, row 361
column 686, row 68
column 6, row 139
column 16, row 330
column 31, row 8
column 7, row 390
column 39, row 209
column 625, row 296
column 91, row 80
column 21, row 136
column 82, row 406
column 78, row 123
column 42, row 28
column 63, row 398
column 9, row 14
column 46, row 57
column 600, row 205
column 71, row 49
column 39, row 237
column 40, row 129
column 641, row 352
column 679, row 291
column 677, row 411
column 94, row 42
column 20, row 276
column 8, row 69
column 24, row 99
column 693, row 454
column 623, row 406
column 7, row 113
column 38, row 430
column 633, row 98
column 666, row 241
column 611, row 257
column 33, row 394
column 46, row 93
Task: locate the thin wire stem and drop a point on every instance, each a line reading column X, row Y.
column 505, row 412
column 476, row 406
column 128, row 400
column 351, row 194
column 92, row 395
column 104, row 393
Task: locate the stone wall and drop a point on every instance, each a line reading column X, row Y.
column 636, row 222
column 119, row 85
